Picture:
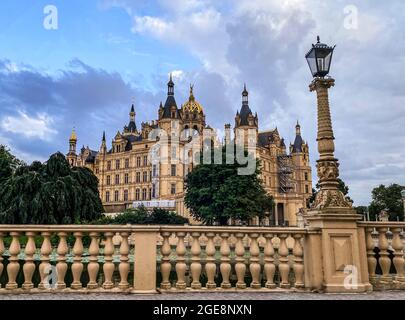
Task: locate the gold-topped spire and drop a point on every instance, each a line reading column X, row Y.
column 73, row 136
column 192, row 105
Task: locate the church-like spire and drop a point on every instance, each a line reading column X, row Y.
column 298, row 142
column 72, row 142
column 73, row 136
column 132, row 113
column 103, row 140
column 170, row 86
column 245, row 95
column 245, row 112
column 170, row 108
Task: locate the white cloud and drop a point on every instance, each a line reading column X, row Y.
column 31, row 127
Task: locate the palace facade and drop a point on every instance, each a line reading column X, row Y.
column 127, row 175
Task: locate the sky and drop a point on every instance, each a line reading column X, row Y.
column 86, row 70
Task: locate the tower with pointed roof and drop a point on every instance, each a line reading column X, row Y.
column 169, row 113
column 192, row 114
column 245, row 121
column 72, row 156
column 299, row 151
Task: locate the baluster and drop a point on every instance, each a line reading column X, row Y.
column 45, row 266
column 399, row 261
column 240, row 266
column 269, row 266
column 61, row 266
column 1, row 253
column 371, row 260
column 13, row 266
column 77, row 266
column 165, row 266
column 29, row 266
column 225, row 266
column 195, row 266
column 93, row 266
column 123, row 267
column 254, row 266
column 210, row 267
column 385, row 262
column 108, row 267
column 283, row 266
column 181, row 265
column 298, row 266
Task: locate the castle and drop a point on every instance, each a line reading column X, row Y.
column 127, row 175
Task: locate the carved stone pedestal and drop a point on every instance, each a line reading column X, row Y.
column 337, row 251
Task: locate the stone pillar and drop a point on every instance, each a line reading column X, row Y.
column 145, row 260
column 341, row 243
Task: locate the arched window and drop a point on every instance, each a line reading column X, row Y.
column 143, row 194
column 137, row 192
column 125, row 195
column 107, row 196
column 116, row 195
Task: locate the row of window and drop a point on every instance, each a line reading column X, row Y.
column 117, row 180
column 152, row 173
column 143, row 194
column 126, row 163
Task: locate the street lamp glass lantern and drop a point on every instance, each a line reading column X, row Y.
column 319, row 59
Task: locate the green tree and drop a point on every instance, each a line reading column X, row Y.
column 361, row 210
column 216, row 192
column 387, row 198
column 50, row 193
column 342, row 187
column 142, row 216
column 8, row 164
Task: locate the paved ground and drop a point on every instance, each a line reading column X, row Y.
column 382, row 295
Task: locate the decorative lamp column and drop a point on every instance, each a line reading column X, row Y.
column 319, row 59
column 341, row 243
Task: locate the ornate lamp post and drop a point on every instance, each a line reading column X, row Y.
column 341, row 242
column 319, row 59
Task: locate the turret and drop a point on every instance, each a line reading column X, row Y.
column 72, row 156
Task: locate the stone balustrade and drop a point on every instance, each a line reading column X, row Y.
column 123, row 259
column 385, row 243
column 231, row 258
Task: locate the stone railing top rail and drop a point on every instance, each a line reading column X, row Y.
column 150, row 228
column 381, row 224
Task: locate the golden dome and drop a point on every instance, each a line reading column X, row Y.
column 192, row 105
column 73, row 135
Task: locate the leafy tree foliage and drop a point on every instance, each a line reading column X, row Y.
column 8, row 164
column 387, row 198
column 215, row 192
column 142, row 216
column 49, row 193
